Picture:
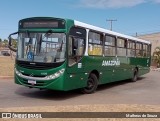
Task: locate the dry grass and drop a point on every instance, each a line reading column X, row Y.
column 88, row 108
column 6, row 66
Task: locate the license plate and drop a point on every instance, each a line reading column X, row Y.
column 31, row 81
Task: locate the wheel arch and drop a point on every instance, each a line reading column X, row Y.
column 137, row 68
column 96, row 73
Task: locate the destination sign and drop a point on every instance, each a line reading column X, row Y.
column 42, row 23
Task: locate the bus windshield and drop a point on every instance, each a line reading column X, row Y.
column 41, row 47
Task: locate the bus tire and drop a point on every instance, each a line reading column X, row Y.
column 135, row 75
column 92, row 84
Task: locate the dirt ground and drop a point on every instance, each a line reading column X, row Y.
column 6, row 66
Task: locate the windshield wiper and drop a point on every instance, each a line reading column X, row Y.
column 49, row 32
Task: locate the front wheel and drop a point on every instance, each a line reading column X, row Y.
column 92, row 84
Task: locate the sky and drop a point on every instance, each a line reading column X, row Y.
column 133, row 16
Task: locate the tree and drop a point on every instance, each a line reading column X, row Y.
column 14, row 43
column 156, row 56
column 5, row 42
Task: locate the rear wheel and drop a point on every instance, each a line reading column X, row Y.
column 92, row 84
column 135, row 75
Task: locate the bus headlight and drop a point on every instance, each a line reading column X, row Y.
column 56, row 75
column 17, row 72
column 49, row 77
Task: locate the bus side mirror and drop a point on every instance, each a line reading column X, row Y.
column 12, row 42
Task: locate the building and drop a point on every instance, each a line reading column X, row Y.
column 154, row 38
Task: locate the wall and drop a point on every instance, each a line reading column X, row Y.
column 154, row 38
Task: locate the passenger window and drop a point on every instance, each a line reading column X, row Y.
column 76, row 45
column 139, row 50
column 109, row 48
column 148, row 50
column 131, row 48
column 144, row 50
column 95, row 43
column 121, row 47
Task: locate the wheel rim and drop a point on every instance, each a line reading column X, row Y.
column 90, row 84
column 135, row 75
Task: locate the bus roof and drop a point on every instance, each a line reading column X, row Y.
column 88, row 26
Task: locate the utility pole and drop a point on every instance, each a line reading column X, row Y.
column 111, row 20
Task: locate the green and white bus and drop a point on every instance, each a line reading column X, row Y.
column 64, row 54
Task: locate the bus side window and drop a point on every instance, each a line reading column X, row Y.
column 70, row 47
column 76, row 45
column 109, row 46
column 131, row 48
column 121, row 47
column 148, row 50
column 139, row 50
column 95, row 43
column 144, row 50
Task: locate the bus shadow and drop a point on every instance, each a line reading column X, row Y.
column 117, row 83
column 47, row 94
column 62, row 95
